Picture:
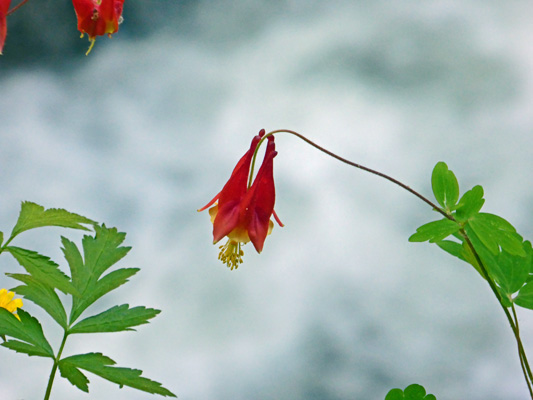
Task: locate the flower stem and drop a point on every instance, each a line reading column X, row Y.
column 54, row 367
column 16, row 7
column 513, row 322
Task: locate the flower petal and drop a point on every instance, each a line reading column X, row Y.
column 262, row 196
column 4, row 8
column 233, row 193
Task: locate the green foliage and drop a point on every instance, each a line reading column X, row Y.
column 34, row 216
column 28, row 331
column 484, row 240
column 411, row 392
column 435, row 231
column 445, row 186
column 116, row 319
column 88, row 282
column 100, row 365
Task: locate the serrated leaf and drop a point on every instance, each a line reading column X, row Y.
column 445, row 186
column 102, row 251
column 411, row 392
column 74, row 376
column 435, row 231
column 35, row 216
column 496, row 232
column 116, row 319
column 80, row 274
column 100, row 365
column 106, row 284
column 42, row 295
column 27, row 330
column 42, row 268
column 470, row 204
column 99, row 254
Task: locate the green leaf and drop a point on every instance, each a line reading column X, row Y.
column 100, row 365
column 99, row 254
column 525, row 296
column 80, row 274
column 512, row 271
column 34, row 216
column 412, row 392
column 1, row 238
column 453, row 248
column 445, row 186
column 43, row 269
column 42, row 295
column 102, row 251
column 496, row 232
column 116, row 319
column 435, row 231
column 27, row 330
column 103, row 286
column 470, row 204
column 74, row 376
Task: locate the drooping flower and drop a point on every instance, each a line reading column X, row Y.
column 243, row 213
column 4, row 8
column 98, row 17
column 7, row 301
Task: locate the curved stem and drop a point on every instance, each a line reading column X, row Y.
column 344, row 160
column 512, row 322
column 16, row 7
column 54, row 367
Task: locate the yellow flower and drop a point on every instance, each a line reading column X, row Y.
column 7, row 302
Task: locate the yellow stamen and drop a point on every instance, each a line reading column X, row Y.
column 231, row 254
column 91, row 46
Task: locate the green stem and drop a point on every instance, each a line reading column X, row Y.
column 54, row 367
column 514, row 325
column 344, row 160
column 16, row 7
column 521, row 351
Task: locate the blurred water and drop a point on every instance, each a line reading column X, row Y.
column 339, row 305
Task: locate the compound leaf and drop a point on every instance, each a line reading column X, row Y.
column 42, row 268
column 101, row 365
column 42, row 295
column 106, row 284
column 116, row 319
column 102, row 251
column 470, row 204
column 435, row 231
column 99, row 254
column 28, row 331
column 34, row 216
column 496, row 232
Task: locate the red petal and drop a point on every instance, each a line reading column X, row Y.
column 262, row 196
column 233, row 193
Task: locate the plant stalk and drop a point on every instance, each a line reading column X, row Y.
column 528, row 376
column 54, row 367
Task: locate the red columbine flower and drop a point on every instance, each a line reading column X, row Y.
column 98, row 17
column 243, row 213
column 4, row 8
